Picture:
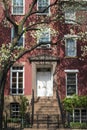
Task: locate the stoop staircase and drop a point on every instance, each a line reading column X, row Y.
column 46, row 113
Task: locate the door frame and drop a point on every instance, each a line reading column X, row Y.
column 35, row 65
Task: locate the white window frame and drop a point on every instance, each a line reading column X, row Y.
column 70, row 16
column 18, row 6
column 11, row 70
column 74, row 38
column 49, row 39
column 75, row 72
column 12, row 36
column 12, row 110
column 44, row 13
column 80, row 116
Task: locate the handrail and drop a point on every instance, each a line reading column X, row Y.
column 60, row 106
column 32, row 117
column 47, row 119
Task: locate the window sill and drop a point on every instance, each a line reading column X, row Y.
column 16, row 94
column 14, row 14
column 66, row 22
column 43, row 14
column 69, row 57
column 44, row 48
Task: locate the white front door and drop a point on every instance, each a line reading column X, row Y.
column 44, row 82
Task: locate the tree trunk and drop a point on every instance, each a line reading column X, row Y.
column 2, row 87
column 1, row 109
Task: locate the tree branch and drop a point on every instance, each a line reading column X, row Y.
column 7, row 13
column 28, row 13
column 35, row 12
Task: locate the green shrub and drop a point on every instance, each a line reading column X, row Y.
column 14, row 120
column 78, row 125
column 74, row 102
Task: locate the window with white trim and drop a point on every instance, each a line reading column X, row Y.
column 79, row 115
column 71, row 83
column 45, row 38
column 42, row 5
column 17, row 7
column 14, row 110
column 21, row 40
column 17, row 80
column 70, row 16
column 70, row 47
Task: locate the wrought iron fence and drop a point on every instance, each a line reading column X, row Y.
column 24, row 122
column 40, row 120
column 45, row 120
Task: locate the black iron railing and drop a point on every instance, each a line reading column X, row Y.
column 61, row 109
column 45, row 120
column 32, row 103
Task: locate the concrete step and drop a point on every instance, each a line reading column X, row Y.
column 44, row 99
column 46, row 103
column 47, row 112
column 46, row 106
column 50, row 103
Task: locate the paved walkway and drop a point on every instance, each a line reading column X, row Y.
column 43, row 129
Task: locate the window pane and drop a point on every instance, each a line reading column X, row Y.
column 17, row 10
column 17, row 68
column 41, row 9
column 20, row 91
column 42, row 5
column 71, row 83
column 17, row 80
column 70, row 47
column 83, row 115
column 20, row 42
column 71, row 90
column 15, row 107
column 13, row 91
column 71, row 116
column 70, row 16
column 17, row 6
column 77, row 115
column 45, row 36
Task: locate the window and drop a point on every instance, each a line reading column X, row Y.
column 45, row 38
column 70, row 16
column 42, row 5
column 71, row 82
column 14, row 110
column 70, row 47
column 79, row 115
column 17, row 7
column 21, row 40
column 17, row 80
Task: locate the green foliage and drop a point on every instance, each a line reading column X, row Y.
column 7, row 55
column 23, row 105
column 74, row 102
column 14, row 120
column 78, row 125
